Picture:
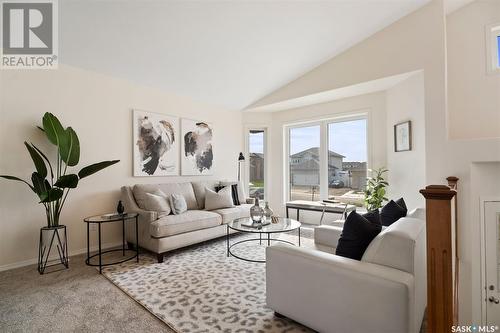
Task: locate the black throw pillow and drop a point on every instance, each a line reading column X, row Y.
column 357, row 234
column 401, row 202
column 393, row 211
column 234, row 193
column 373, row 216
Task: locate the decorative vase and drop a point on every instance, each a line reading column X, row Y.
column 256, row 212
column 268, row 212
column 120, row 209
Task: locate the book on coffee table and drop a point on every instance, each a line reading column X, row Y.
column 251, row 224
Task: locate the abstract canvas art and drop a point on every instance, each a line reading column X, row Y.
column 197, row 148
column 156, row 144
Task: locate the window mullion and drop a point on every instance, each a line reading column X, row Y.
column 323, row 161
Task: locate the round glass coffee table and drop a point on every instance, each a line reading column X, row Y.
column 241, row 225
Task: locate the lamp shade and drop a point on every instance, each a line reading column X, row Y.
column 241, row 157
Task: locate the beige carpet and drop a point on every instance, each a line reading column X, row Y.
column 78, row 299
column 74, row 300
column 200, row 289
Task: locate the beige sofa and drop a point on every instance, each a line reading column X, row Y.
column 160, row 234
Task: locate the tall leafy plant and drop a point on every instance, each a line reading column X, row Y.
column 376, row 189
column 52, row 184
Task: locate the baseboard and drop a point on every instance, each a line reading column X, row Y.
column 54, row 257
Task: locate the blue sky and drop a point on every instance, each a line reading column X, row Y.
column 347, row 138
column 256, row 142
column 498, row 46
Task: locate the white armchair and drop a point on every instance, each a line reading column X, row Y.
column 384, row 292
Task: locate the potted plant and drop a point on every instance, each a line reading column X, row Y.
column 375, row 189
column 52, row 184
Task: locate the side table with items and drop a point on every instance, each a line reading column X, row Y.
column 108, row 218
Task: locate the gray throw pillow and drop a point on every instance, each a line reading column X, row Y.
column 157, row 202
column 178, row 204
column 218, row 200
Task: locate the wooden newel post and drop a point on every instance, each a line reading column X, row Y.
column 441, row 256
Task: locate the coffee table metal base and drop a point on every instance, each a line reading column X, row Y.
column 269, row 239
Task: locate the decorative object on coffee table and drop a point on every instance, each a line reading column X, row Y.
column 256, row 212
column 402, row 136
column 268, row 212
column 52, row 185
column 99, row 220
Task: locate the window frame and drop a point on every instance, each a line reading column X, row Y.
column 323, row 149
column 492, row 32
column 246, row 177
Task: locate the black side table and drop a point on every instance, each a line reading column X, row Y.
column 100, row 219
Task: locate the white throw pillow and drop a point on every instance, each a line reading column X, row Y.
column 157, row 202
column 218, row 200
column 178, row 204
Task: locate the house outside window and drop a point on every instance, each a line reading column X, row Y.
column 256, row 165
column 304, row 163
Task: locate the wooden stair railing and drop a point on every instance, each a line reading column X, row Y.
column 442, row 256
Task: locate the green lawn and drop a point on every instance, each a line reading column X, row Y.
column 257, row 183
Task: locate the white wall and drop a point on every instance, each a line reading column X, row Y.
column 373, row 104
column 473, row 95
column 99, row 108
column 405, row 101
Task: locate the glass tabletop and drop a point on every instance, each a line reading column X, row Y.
column 110, row 217
column 283, row 225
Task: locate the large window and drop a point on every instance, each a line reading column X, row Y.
column 256, row 149
column 304, row 163
column 328, row 160
column 347, row 158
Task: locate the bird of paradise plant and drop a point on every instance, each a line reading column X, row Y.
column 53, row 186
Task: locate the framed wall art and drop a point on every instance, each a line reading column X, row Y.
column 156, row 144
column 197, row 156
column 402, row 136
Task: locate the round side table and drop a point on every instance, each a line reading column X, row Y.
column 99, row 220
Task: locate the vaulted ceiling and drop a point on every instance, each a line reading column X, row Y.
column 219, row 52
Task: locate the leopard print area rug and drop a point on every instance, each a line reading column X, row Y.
column 200, row 289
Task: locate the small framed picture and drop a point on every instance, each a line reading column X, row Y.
column 402, row 136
